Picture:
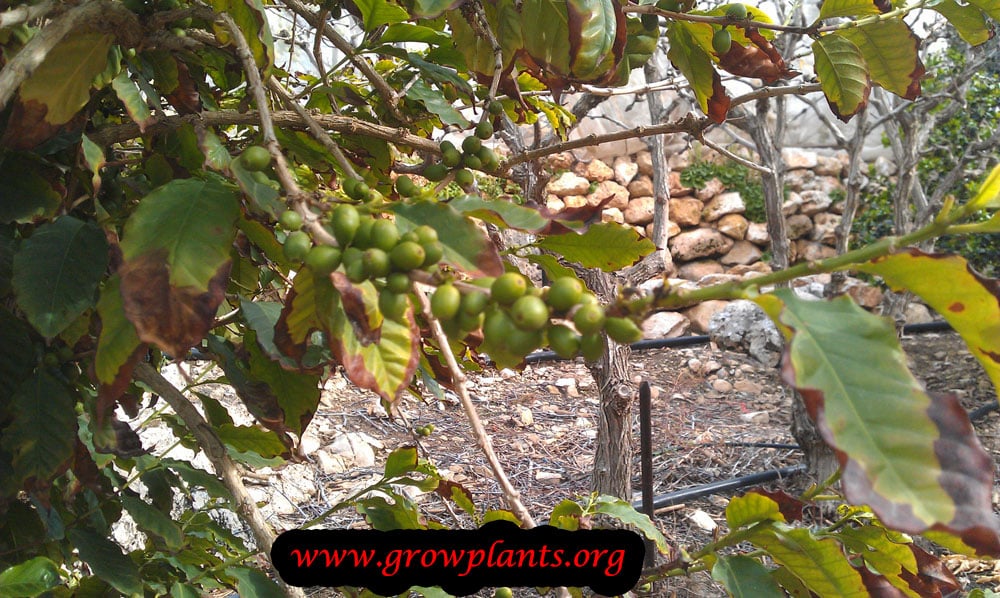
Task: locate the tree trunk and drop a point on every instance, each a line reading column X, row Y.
column 772, row 183
column 613, row 456
column 661, row 170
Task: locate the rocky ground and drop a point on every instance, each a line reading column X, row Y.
column 707, row 405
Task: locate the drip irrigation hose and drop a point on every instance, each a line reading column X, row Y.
column 679, row 496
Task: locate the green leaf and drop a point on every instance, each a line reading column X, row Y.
column 183, row 590
column 846, row 8
column 249, row 16
column 193, row 476
column 607, row 245
column 297, row 394
column 216, row 154
column 17, row 355
column 890, row 49
column 966, row 300
column 400, row 461
column 118, row 338
column 566, row 515
column 744, row 577
column 432, row 9
column 551, row 266
column 436, row 104
column 912, row 457
column 56, row 273
column 29, row 579
column 62, row 82
column 500, row 212
column 261, row 317
column 967, row 19
column 264, row 196
column 546, row 34
column 41, row 436
column 375, row 13
column 128, row 92
column 596, row 23
column 251, row 438
column 696, row 65
column 752, row 508
column 94, row 157
column 384, row 516
column 152, row 520
column 842, row 74
column 626, row 513
column 820, row 564
column 407, row 32
column 252, row 583
column 990, row 7
column 25, row 193
column 106, row 560
column 889, row 558
column 191, row 220
column 466, row 246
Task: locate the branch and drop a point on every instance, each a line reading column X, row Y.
column 285, row 119
column 216, row 452
column 735, row 158
column 100, row 16
column 482, row 438
column 378, row 83
column 25, row 13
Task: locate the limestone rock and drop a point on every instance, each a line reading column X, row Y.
column 561, row 161
column 679, row 161
column 757, row 233
column 699, row 269
column 598, row 171
column 754, row 269
column 711, row 188
column 686, row 211
column 864, row 294
column 825, row 228
column 639, row 210
column 677, row 189
column 826, row 184
column 814, row 202
column 353, row 447
column 665, row 324
column 791, row 205
column 726, row 203
column 641, row 186
column 700, row 314
column 612, row 215
column 568, row 184
column 917, row 313
column 884, row 166
column 811, row 251
column 625, row 170
column 575, row 201
column 644, row 160
column 797, row 180
column 798, row 226
column 700, row 242
column 744, row 326
column 733, row 226
column 798, row 158
column 554, row 204
column 828, row 166
column 742, row 253
column 610, row 192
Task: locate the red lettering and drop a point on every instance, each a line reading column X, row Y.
column 489, row 559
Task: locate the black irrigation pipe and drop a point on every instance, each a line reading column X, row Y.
column 680, row 496
column 704, row 339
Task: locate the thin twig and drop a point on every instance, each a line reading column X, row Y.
column 734, row 157
column 25, row 13
column 482, row 438
column 378, row 83
column 216, row 452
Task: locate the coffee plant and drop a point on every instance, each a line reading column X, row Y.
column 167, row 187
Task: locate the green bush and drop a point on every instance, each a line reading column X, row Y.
column 735, row 177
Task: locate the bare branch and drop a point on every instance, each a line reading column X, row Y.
column 482, row 437
column 736, row 158
column 378, row 83
column 216, row 452
column 25, row 13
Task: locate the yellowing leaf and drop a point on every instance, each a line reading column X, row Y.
column 890, row 51
column 846, row 8
column 969, row 21
column 128, row 92
column 988, row 196
column 820, row 564
column 842, row 74
column 696, row 65
column 62, row 82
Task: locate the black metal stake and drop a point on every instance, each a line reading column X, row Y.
column 646, row 460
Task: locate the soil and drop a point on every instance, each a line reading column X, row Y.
column 709, row 407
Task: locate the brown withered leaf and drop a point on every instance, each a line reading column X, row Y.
column 719, row 102
column 790, row 506
column 84, row 468
column 184, row 97
column 28, row 129
column 759, row 61
column 877, row 585
column 108, row 395
column 174, row 319
column 933, row 578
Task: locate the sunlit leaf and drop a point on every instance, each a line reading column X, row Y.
column 846, row 8
column 912, row 457
column 128, row 92
column 988, row 196
column 466, row 246
column 820, row 564
column 436, row 104
column 626, row 513
column 29, row 579
column 843, row 75
column 890, row 49
column 751, row 508
column 696, row 66
column 62, row 82
column 375, row 13
column 249, row 16
column 967, row 19
column 607, row 246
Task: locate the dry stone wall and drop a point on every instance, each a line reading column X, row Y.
column 711, row 239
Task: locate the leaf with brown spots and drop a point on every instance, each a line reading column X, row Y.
column 759, row 61
column 306, row 310
column 176, row 248
column 911, row 456
column 947, row 283
column 696, row 65
column 356, row 300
